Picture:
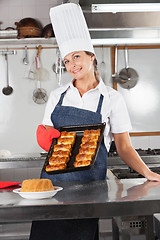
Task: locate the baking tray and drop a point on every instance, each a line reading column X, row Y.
column 79, row 134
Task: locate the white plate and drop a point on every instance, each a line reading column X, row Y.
column 38, row 195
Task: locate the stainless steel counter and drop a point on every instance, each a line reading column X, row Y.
column 31, row 160
column 37, row 160
column 102, row 199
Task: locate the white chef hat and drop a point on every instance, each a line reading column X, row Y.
column 70, row 29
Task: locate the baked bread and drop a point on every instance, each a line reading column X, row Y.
column 87, row 150
column 50, row 168
column 37, row 185
column 58, row 160
column 90, row 138
column 83, row 157
column 89, row 145
column 61, row 153
column 82, row 163
column 88, row 133
column 64, row 147
column 66, row 134
column 66, row 140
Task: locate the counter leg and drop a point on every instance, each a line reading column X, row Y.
column 115, row 230
column 149, row 228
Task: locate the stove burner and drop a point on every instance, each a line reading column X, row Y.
column 141, row 152
column 124, row 173
column 153, row 151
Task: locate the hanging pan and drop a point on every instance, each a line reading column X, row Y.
column 128, row 77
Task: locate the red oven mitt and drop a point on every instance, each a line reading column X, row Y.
column 44, row 136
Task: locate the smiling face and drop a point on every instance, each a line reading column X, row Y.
column 79, row 64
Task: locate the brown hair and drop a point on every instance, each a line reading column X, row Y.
column 96, row 73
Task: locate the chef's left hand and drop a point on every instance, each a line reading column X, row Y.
column 152, row 176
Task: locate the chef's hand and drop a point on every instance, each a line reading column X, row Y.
column 152, row 176
column 44, row 136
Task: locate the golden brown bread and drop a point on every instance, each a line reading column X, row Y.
column 61, row 153
column 89, row 145
column 83, row 157
column 50, row 168
column 88, row 133
column 67, row 140
column 91, row 138
column 37, row 185
column 87, row 150
column 58, row 160
column 68, row 134
column 63, row 147
column 82, row 163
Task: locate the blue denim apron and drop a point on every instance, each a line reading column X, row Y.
column 76, row 229
column 68, row 116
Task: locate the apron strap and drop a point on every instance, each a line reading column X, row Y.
column 61, row 98
column 100, row 104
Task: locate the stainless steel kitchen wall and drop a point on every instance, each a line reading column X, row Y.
column 143, row 101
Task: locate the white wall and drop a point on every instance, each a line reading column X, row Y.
column 14, row 10
column 20, row 115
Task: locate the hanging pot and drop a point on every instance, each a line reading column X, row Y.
column 128, row 77
column 28, row 27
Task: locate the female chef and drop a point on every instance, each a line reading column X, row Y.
column 85, row 100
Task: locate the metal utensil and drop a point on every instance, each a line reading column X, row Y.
column 7, row 90
column 40, row 73
column 58, row 67
column 33, row 68
column 128, row 76
column 102, row 65
column 25, row 59
column 115, row 76
column 40, row 94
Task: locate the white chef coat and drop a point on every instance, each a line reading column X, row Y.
column 114, row 111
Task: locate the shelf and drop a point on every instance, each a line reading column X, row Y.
column 27, row 41
column 99, row 38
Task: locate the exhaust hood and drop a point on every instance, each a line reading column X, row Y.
column 122, row 22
